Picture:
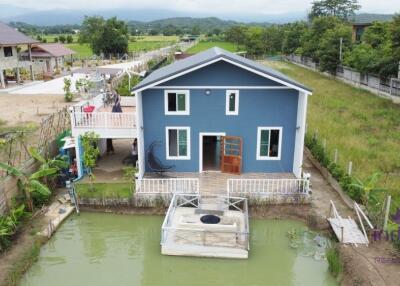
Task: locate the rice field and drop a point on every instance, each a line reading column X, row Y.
column 204, row 45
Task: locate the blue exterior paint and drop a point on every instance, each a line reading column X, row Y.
column 221, row 74
column 257, row 107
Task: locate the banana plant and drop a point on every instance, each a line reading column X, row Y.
column 371, row 193
column 30, row 183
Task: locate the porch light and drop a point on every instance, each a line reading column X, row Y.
column 208, row 91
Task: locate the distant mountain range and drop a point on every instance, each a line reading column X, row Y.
column 10, row 13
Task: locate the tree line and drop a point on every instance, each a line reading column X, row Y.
column 326, row 38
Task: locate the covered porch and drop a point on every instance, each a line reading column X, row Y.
column 96, row 115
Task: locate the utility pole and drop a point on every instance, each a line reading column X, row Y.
column 341, row 50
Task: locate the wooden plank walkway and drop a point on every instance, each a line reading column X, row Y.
column 351, row 233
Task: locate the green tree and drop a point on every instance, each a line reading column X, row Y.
column 90, row 153
column 394, row 29
column 342, row 9
column 255, row 42
column 310, row 40
column 109, row 36
column 62, row 39
column 292, row 36
column 236, row 34
column 70, row 39
column 328, row 52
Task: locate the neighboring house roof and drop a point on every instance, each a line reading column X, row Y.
column 54, row 50
column 208, row 57
column 10, row 36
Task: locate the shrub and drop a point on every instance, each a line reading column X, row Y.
column 346, row 181
column 9, row 224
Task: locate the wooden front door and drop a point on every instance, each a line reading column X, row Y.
column 231, row 154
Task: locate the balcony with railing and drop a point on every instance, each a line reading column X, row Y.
column 96, row 115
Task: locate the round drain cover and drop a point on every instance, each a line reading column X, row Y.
column 210, row 219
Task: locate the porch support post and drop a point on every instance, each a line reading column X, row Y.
column 140, row 135
column 18, row 76
column 79, row 156
column 300, row 134
column 2, row 81
column 30, row 62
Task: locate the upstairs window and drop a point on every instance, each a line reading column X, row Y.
column 178, row 143
column 269, row 141
column 232, row 102
column 177, row 102
column 8, row 52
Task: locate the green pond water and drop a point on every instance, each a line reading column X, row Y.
column 107, row 249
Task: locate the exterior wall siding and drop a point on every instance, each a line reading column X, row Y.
column 257, row 107
column 221, row 74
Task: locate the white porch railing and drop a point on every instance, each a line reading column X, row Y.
column 267, row 187
column 103, row 120
column 168, row 186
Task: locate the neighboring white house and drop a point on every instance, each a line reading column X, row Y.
column 48, row 58
column 11, row 42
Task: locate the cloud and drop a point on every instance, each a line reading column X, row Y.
column 212, row 7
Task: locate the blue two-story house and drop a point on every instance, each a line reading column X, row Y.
column 217, row 111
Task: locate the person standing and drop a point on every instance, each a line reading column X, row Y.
column 134, row 152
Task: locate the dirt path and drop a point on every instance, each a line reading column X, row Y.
column 363, row 265
column 21, row 109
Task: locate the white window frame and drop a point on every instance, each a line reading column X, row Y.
column 236, row 111
column 187, row 102
column 187, row 157
column 259, row 129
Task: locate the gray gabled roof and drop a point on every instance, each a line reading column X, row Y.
column 10, row 36
column 208, row 56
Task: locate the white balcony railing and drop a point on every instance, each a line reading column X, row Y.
column 267, row 187
column 168, row 186
column 106, row 120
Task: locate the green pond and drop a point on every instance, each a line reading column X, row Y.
column 107, row 249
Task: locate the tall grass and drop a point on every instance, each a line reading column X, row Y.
column 362, row 126
column 334, row 262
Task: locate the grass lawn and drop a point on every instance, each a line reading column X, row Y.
column 157, row 38
column 137, row 46
column 205, row 45
column 81, row 50
column 363, row 127
column 105, row 190
column 140, row 46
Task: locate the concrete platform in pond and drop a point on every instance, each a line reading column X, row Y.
column 206, row 227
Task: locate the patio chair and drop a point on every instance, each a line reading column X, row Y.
column 154, row 163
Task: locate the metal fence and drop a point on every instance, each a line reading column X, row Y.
column 390, row 87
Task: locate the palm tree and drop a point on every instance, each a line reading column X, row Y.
column 30, row 183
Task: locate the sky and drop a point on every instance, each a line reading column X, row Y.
column 214, row 7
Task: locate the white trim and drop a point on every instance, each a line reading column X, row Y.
column 221, row 87
column 140, row 135
column 226, row 60
column 258, row 149
column 187, row 102
column 228, row 93
column 201, row 135
column 300, row 134
column 187, row 157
